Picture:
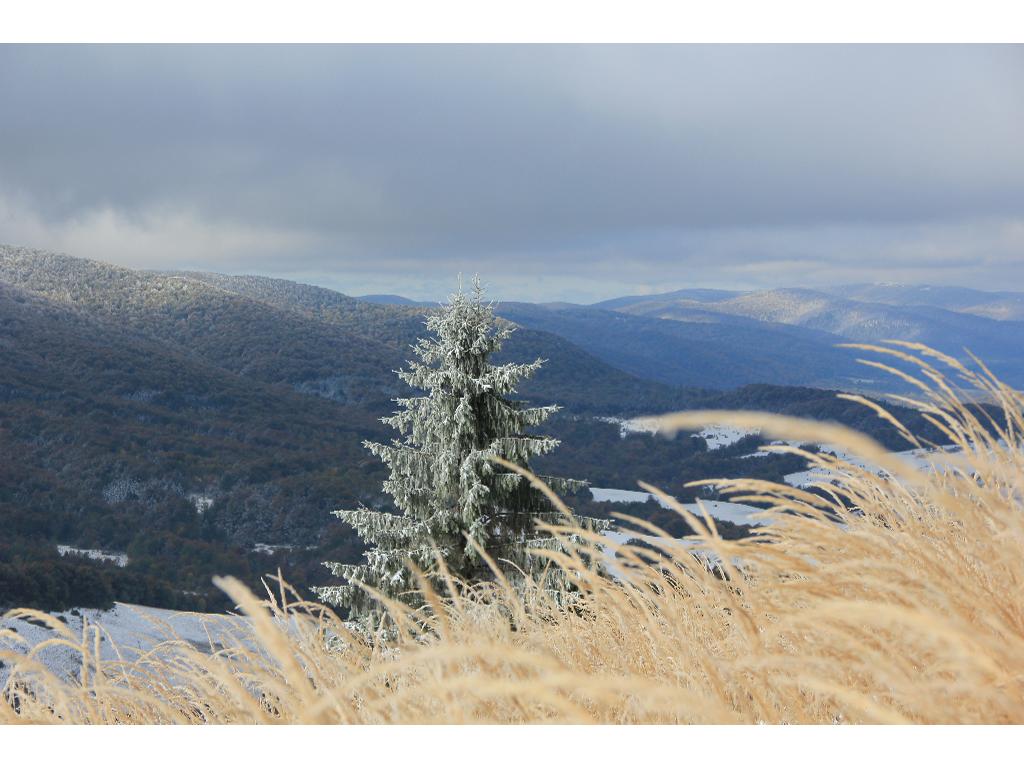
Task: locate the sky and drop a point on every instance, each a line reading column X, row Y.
column 571, row 173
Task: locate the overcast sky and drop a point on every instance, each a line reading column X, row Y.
column 573, row 173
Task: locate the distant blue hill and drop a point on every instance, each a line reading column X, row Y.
column 391, row 298
column 685, row 294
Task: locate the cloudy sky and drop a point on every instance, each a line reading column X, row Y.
column 573, row 173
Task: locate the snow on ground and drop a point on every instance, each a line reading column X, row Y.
column 674, row 547
column 269, row 549
column 917, row 458
column 740, row 514
column 200, row 502
column 120, row 559
column 720, row 436
column 128, row 629
column 619, row 495
column 716, row 435
column 626, row 426
column 730, row 511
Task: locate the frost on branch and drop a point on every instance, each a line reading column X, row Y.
column 442, row 478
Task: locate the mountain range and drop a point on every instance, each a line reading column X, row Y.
column 714, row 338
column 188, row 419
column 999, row 342
column 997, row 305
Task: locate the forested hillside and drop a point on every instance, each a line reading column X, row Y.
column 104, row 437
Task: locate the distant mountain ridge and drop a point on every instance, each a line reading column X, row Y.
column 691, row 294
column 206, row 320
column 324, row 342
column 785, row 335
column 701, row 350
column 1000, row 342
column 314, row 340
column 390, row 298
column 996, row 305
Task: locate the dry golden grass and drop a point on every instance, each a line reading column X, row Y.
column 894, row 598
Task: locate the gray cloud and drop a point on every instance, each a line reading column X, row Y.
column 559, row 172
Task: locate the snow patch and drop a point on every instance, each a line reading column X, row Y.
column 128, row 630
column 716, row 435
column 619, row 495
column 739, row 514
column 616, row 538
column 720, row 435
column 270, row 549
column 627, row 426
column 120, row 559
column 918, row 458
column 200, row 502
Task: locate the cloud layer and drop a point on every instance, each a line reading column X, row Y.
column 557, row 172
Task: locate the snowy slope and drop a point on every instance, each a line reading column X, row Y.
column 740, row 514
column 918, row 458
column 128, row 630
column 716, row 435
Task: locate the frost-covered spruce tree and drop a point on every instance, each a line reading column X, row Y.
column 442, row 478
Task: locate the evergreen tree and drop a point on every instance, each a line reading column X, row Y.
column 442, row 479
